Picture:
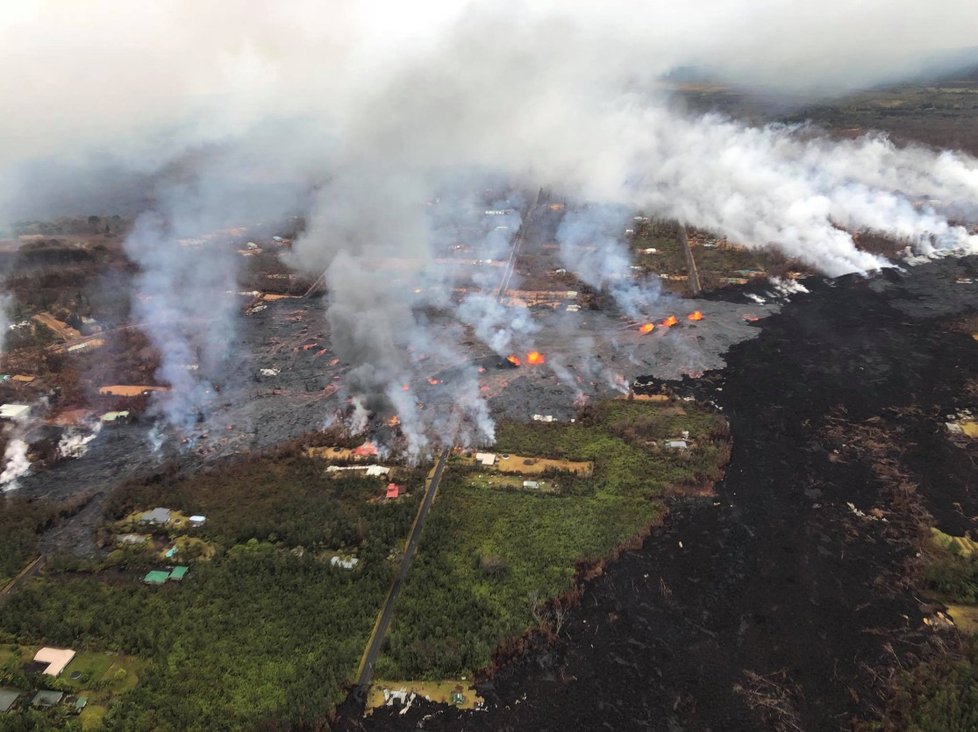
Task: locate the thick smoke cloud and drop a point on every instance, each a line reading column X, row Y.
column 380, row 108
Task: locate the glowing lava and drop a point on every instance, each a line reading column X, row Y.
column 433, row 381
column 393, row 421
column 535, row 357
column 695, row 315
column 514, row 360
column 647, row 328
column 670, row 321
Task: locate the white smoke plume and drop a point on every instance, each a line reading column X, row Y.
column 74, row 443
column 184, row 302
column 592, row 245
column 15, row 464
column 379, row 107
column 5, row 304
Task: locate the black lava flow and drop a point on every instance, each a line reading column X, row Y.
column 776, row 576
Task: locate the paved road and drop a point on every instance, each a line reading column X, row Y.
column 29, row 571
column 387, row 612
column 517, row 245
column 694, row 274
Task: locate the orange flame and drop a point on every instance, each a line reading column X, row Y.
column 367, row 449
column 751, row 318
column 535, row 357
column 647, row 328
column 514, row 360
column 405, row 387
column 433, row 381
column 670, row 321
column 393, row 421
column 695, row 315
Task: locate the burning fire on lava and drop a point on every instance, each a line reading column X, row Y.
column 514, row 360
column 647, row 328
column 393, row 421
column 433, row 381
column 670, row 321
column 535, row 357
column 695, row 315
column 367, row 449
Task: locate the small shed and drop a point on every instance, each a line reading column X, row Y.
column 486, row 458
column 47, row 698
column 55, row 658
column 197, row 520
column 393, row 491
column 7, row 698
column 531, row 484
column 677, row 444
column 156, row 577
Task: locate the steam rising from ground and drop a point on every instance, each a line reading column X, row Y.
column 381, row 110
column 4, row 320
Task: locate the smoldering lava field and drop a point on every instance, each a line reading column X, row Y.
column 676, row 431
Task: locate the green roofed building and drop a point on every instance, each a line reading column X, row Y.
column 7, row 698
column 178, row 573
column 156, row 577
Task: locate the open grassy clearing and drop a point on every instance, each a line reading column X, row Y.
column 532, row 465
column 441, row 692
column 497, row 481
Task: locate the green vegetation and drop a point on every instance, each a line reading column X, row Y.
column 491, row 559
column 951, row 572
column 265, row 631
column 21, row 523
column 98, row 677
column 940, row 695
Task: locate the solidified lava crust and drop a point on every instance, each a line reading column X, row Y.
column 838, row 401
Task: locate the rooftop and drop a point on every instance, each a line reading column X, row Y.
column 55, row 658
column 47, row 698
column 7, row 698
column 126, row 390
column 158, row 515
column 156, row 577
column 13, row 411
